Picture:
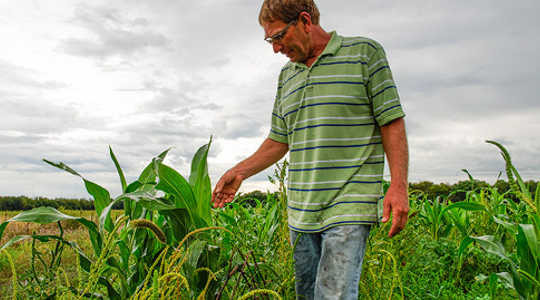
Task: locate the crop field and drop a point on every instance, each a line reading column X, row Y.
column 167, row 243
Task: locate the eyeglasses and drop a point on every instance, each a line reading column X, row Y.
column 278, row 36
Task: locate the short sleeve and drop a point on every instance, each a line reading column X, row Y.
column 382, row 90
column 278, row 128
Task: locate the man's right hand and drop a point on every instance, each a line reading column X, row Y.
column 226, row 188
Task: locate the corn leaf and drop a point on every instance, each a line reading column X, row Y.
column 149, row 173
column 101, row 196
column 537, row 197
column 194, row 253
column 179, row 220
column 200, row 181
column 119, row 170
column 506, row 279
column 532, row 239
column 468, row 174
column 2, row 228
column 511, row 227
column 488, row 243
column 528, row 248
column 173, row 183
column 101, row 200
column 471, row 206
column 463, row 245
column 46, row 215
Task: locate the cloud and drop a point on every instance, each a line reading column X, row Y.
column 236, row 126
column 111, row 34
column 18, row 79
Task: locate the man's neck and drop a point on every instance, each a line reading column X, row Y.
column 320, row 39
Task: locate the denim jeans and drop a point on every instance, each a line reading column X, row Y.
column 328, row 264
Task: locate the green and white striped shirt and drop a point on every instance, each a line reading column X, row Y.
column 330, row 116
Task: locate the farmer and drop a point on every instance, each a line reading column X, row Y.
column 337, row 112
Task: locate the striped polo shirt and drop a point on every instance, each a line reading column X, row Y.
column 330, row 115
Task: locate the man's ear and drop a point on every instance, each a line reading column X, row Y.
column 305, row 19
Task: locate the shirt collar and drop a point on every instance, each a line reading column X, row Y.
column 333, row 45
column 331, row 48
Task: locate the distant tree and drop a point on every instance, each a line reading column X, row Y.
column 26, row 203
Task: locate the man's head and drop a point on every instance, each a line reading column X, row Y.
column 288, row 26
column 287, row 11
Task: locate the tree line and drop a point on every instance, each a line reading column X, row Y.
column 27, row 203
column 454, row 192
column 458, row 191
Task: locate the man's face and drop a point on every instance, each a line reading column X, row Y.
column 292, row 43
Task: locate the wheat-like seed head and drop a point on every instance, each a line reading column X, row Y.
column 143, row 223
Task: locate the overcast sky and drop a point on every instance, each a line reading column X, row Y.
column 143, row 76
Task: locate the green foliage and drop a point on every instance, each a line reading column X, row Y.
column 163, row 207
column 464, row 241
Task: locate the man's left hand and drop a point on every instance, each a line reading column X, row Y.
column 396, row 202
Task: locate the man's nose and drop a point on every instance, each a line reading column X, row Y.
column 277, row 47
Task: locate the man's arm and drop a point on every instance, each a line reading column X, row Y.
column 396, row 200
column 268, row 153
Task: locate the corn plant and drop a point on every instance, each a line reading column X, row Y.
column 523, row 274
column 435, row 218
column 160, row 208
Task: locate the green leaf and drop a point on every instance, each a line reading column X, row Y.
column 459, row 218
column 41, row 215
column 511, row 227
column 506, row 279
column 529, row 277
column 175, row 184
column 527, row 244
column 148, row 200
column 101, row 196
column 200, row 181
column 488, row 243
column 132, row 187
column 101, row 200
column 62, row 166
column 179, row 220
column 2, row 228
column 119, row 170
column 14, row 240
column 199, row 167
column 194, row 253
column 521, row 183
column 149, row 173
column 463, row 245
column 112, row 293
column 46, row 215
column 532, row 240
column 468, row 174
column 124, row 253
column 470, row 206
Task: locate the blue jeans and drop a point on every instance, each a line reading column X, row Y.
column 328, row 264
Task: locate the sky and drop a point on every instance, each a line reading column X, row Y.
column 141, row 76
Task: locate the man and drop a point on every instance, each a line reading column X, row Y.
column 337, row 112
